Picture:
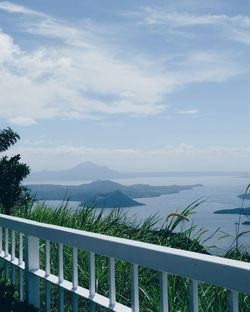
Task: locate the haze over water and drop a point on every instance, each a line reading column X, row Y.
column 218, row 192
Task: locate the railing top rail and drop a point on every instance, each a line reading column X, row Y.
column 214, row 270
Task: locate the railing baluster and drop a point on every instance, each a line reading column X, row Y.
column 74, row 279
column 47, row 258
column 193, row 296
column 155, row 257
column 1, row 239
column 6, row 242
column 20, row 249
column 75, row 268
column 32, row 283
column 92, row 280
column 60, row 277
column 164, row 291
column 6, row 252
column 13, row 256
column 135, row 288
column 20, row 262
column 233, row 301
column 47, row 272
column 60, row 263
column 1, row 249
column 112, row 290
column 13, row 245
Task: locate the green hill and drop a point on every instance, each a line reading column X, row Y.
column 114, row 199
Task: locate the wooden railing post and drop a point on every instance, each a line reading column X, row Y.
column 13, row 256
column 91, row 269
column 233, row 301
column 193, row 296
column 1, row 249
column 135, row 288
column 6, row 253
column 164, row 291
column 20, row 262
column 32, row 289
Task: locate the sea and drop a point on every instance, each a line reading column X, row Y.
column 217, row 192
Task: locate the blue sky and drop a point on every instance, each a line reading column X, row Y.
column 135, row 85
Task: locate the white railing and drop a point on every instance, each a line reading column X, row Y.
column 230, row 274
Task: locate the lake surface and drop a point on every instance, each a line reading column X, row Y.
column 218, row 192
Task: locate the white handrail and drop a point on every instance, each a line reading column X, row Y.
column 231, row 274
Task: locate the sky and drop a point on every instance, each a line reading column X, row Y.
column 134, row 85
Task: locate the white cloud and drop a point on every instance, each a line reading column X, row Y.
column 171, row 158
column 82, row 76
column 7, row 48
column 235, row 27
column 188, row 112
column 16, row 8
column 22, row 121
column 161, row 16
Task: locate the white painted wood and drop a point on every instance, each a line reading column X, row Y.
column 13, row 274
column 21, row 294
column 47, row 295
column 230, row 274
column 164, row 291
column 13, row 245
column 6, row 242
column 74, row 278
column 91, row 268
column 60, row 278
column 60, row 262
column 13, row 256
column 233, row 301
column 32, row 287
column 20, row 249
column 75, row 268
column 81, row 291
column 1, row 250
column 20, row 262
column 209, row 269
column 193, row 296
column 47, row 272
column 6, row 252
column 1, row 239
column 112, row 288
column 47, row 257
column 75, row 303
column 60, row 299
column 135, row 289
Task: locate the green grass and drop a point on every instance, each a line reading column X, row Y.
column 118, row 223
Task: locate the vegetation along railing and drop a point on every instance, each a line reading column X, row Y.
column 230, row 274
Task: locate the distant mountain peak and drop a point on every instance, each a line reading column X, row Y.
column 84, row 171
column 88, row 164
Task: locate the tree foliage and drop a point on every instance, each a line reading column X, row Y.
column 12, row 172
column 7, row 138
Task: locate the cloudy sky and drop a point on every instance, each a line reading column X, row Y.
column 135, row 85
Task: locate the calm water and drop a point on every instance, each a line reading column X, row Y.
column 217, row 191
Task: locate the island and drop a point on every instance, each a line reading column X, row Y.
column 114, row 199
column 242, row 211
column 104, row 193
